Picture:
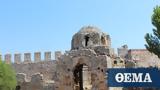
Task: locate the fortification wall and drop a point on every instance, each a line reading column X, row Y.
column 46, row 66
column 143, row 58
column 37, row 82
column 27, row 57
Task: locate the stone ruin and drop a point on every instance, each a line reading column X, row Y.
column 138, row 57
column 37, row 74
column 81, row 68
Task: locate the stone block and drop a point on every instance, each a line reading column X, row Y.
column 17, row 58
column 57, row 54
column 8, row 58
column 21, row 77
column 47, row 56
column 37, row 56
column 27, row 57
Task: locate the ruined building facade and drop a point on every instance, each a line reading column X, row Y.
column 81, row 68
column 138, row 57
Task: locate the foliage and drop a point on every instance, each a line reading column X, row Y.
column 153, row 41
column 7, row 77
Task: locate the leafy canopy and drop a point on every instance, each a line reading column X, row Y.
column 153, row 41
column 7, row 77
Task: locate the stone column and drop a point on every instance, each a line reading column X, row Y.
column 17, row 58
column 27, row 57
column 47, row 56
column 57, row 54
column 37, row 56
column 8, row 58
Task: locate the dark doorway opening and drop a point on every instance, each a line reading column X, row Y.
column 78, row 77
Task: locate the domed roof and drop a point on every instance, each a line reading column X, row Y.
column 90, row 36
column 89, row 29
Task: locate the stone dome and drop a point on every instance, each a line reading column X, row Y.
column 89, row 29
column 88, row 37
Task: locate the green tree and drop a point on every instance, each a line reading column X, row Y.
column 7, row 77
column 153, row 41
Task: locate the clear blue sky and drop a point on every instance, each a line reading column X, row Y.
column 42, row 25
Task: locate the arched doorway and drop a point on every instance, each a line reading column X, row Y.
column 82, row 77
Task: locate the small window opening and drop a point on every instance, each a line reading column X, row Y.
column 103, row 40
column 115, row 62
column 101, row 70
column 86, row 40
column 121, row 61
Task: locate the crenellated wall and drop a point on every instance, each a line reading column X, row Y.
column 23, row 63
column 27, row 57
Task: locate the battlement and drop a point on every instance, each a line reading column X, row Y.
column 25, row 58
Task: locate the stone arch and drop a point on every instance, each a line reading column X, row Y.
column 78, row 77
column 87, row 61
column 82, row 60
column 82, row 73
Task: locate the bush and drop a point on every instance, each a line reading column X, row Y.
column 7, row 77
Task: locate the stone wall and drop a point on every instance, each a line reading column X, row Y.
column 123, row 51
column 94, row 67
column 37, row 74
column 143, row 58
column 46, row 68
column 37, row 82
column 25, row 58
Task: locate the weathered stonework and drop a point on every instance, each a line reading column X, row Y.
column 74, row 62
column 36, row 83
column 89, row 37
column 81, row 68
column 46, row 68
column 123, row 51
column 27, row 58
column 37, row 56
column 17, row 58
column 47, row 56
column 143, row 58
column 57, row 55
column 7, row 58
